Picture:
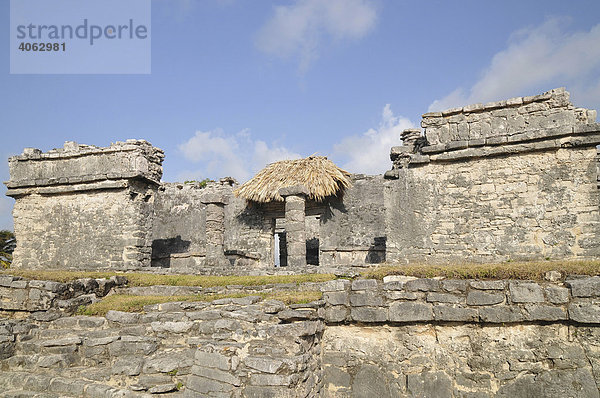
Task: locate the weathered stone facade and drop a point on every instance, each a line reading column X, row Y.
column 508, row 180
column 400, row 337
column 85, row 207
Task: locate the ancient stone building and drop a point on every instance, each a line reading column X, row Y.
column 507, row 180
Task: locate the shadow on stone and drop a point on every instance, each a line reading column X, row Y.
column 163, row 248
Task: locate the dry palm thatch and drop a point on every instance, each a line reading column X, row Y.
column 318, row 174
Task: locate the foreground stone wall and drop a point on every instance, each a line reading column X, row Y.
column 229, row 347
column 403, row 337
column 410, row 337
column 461, row 361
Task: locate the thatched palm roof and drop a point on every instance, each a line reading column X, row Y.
column 318, row 174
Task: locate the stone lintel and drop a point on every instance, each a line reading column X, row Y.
column 215, row 198
column 294, row 190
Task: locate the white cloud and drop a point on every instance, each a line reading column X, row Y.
column 238, row 156
column 545, row 55
column 297, row 30
column 369, row 152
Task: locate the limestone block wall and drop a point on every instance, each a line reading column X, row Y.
column 89, row 230
column 504, row 118
column 409, row 337
column 51, row 300
column 534, row 205
column 525, row 188
column 179, row 229
column 178, row 233
column 400, row 337
column 83, row 206
column 229, row 347
column 353, row 230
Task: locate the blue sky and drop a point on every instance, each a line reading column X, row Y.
column 237, row 84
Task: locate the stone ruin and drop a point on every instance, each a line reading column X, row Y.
column 507, row 180
column 514, row 179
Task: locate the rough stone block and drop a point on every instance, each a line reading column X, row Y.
column 64, row 385
column 364, row 284
column 336, row 298
column 501, row 314
column 212, row 360
column 172, row 327
column 400, row 295
column 294, row 190
column 476, row 297
column 369, row 314
column 434, row 297
column 366, row 299
column 335, row 285
column 454, row 285
column 122, row 317
column 272, row 380
column 338, row 313
column 410, row 312
column 216, row 374
column 128, row 366
column 557, row 295
column 265, row 365
column 535, row 312
column 584, row 312
column 488, row 285
column 450, row 313
column 429, row 384
column 423, row 285
column 64, row 341
column 585, row 287
column 398, row 278
column 168, row 362
column 526, row 292
column 204, row 385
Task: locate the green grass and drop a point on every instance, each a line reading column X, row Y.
column 142, row 279
column 534, row 270
column 530, row 270
column 131, row 303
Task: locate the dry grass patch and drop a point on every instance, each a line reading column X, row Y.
column 530, row 270
column 138, row 279
column 57, row 275
column 131, row 303
column 144, row 279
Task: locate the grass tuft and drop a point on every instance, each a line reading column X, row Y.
column 145, row 279
column 530, row 270
column 131, row 303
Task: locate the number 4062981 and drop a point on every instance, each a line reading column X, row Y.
column 42, row 46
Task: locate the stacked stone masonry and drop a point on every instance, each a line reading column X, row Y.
column 401, row 337
column 509, row 180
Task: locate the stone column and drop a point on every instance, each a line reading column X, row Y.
column 295, row 198
column 215, row 229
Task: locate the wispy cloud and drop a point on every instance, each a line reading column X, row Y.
column 369, row 152
column 299, row 29
column 218, row 154
column 546, row 55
